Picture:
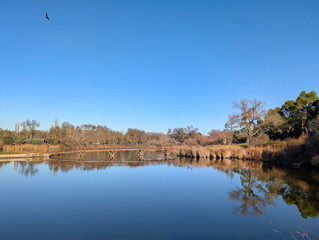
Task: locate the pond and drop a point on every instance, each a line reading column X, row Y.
column 176, row 199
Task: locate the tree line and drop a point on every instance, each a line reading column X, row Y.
column 294, row 119
column 251, row 123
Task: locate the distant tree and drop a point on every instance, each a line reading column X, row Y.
column 230, row 127
column 2, row 132
column 68, row 135
column 55, row 132
column 31, row 126
column 217, row 137
column 8, row 138
column 198, row 139
column 135, row 136
column 159, row 139
column 55, row 123
column 182, row 134
column 249, row 118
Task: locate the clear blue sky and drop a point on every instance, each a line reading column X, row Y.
column 152, row 65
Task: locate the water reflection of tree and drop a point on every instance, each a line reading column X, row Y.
column 260, row 188
column 259, row 184
column 252, row 194
column 303, row 194
column 3, row 164
column 26, row 168
column 306, row 203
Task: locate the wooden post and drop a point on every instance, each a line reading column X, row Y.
column 81, row 156
column 140, row 155
column 112, row 155
column 166, row 155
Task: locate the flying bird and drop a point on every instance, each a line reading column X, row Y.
column 46, row 16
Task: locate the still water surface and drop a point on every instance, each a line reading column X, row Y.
column 179, row 199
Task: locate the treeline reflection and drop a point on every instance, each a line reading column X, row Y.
column 260, row 184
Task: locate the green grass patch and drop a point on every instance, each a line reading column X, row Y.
column 243, row 144
column 10, row 153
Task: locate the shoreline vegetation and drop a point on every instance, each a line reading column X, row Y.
column 287, row 135
column 277, row 155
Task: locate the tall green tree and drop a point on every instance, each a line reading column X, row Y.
column 299, row 113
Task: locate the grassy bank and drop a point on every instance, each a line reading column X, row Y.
column 223, row 152
column 295, row 153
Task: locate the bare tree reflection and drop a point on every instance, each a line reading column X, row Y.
column 27, row 169
column 2, row 164
column 252, row 195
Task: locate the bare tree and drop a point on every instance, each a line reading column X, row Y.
column 231, row 123
column 251, row 114
column 55, row 123
column 30, row 125
column 230, row 127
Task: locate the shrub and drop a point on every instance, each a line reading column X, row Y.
column 31, row 141
column 8, row 139
column 259, row 140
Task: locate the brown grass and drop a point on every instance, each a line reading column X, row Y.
column 32, row 148
column 299, row 235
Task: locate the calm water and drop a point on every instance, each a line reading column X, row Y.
column 179, row 199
